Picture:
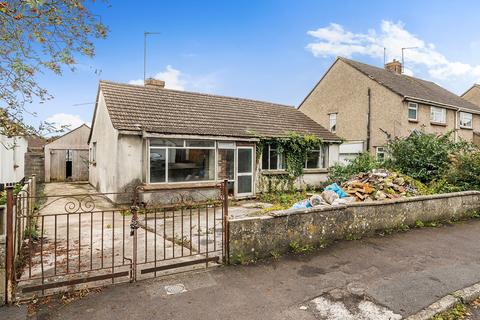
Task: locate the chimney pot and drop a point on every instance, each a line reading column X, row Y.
column 154, row 83
column 394, row 66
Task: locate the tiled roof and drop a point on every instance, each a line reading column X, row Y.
column 158, row 110
column 407, row 86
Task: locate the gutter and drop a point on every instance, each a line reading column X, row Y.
column 437, row 104
column 369, row 93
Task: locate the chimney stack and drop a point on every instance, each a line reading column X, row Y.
column 154, row 83
column 394, row 66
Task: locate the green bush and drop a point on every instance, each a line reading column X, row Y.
column 425, row 157
column 464, row 172
column 364, row 162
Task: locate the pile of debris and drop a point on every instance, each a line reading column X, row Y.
column 379, row 184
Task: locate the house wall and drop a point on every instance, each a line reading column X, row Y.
column 344, row 90
column 76, row 139
column 103, row 172
column 473, row 95
column 12, row 159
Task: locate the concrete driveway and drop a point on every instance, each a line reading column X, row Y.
column 391, row 276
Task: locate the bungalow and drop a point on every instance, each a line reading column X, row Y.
column 170, row 140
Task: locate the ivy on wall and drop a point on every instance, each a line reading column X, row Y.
column 295, row 148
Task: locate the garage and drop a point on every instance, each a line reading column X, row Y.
column 67, row 157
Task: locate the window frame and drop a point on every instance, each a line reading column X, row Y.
column 434, row 110
column 322, row 157
column 462, row 113
column 412, row 106
column 94, row 152
column 167, row 152
column 377, row 152
column 280, row 159
column 332, row 116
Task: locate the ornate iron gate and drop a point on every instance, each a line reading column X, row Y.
column 70, row 240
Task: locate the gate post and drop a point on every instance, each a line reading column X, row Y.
column 9, row 258
column 226, row 230
column 133, row 232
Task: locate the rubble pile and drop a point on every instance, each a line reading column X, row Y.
column 379, row 184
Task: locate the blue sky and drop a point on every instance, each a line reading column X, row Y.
column 269, row 50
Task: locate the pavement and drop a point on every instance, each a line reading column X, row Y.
column 386, row 277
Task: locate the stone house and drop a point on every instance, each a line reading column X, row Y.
column 367, row 105
column 171, row 140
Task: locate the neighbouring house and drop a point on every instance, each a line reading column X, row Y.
column 12, row 159
column 35, row 157
column 178, row 140
column 473, row 95
column 367, row 105
column 66, row 157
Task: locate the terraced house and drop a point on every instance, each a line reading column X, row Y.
column 367, row 105
column 177, row 140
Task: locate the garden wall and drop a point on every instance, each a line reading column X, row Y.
column 260, row 237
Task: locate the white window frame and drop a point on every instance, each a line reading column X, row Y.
column 461, row 119
column 166, row 161
column 437, row 111
column 280, row 159
column 380, row 150
column 332, row 117
column 412, row 106
column 321, row 158
column 239, row 174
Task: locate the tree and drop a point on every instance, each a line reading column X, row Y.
column 38, row 36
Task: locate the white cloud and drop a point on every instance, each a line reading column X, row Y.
column 60, row 120
column 178, row 80
column 334, row 40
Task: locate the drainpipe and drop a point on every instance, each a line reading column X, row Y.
column 456, row 127
column 369, row 119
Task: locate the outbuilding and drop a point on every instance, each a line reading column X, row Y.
column 66, row 158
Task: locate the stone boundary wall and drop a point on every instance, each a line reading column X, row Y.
column 265, row 236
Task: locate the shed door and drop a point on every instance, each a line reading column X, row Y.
column 80, row 165
column 57, row 165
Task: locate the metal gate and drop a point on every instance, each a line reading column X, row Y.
column 60, row 242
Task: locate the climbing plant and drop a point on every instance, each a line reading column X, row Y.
column 294, row 147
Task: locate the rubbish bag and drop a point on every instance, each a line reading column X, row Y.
column 336, row 188
column 317, row 200
column 329, row 196
column 304, row 204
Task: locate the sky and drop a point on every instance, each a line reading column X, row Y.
column 271, row 50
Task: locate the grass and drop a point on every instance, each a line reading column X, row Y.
column 458, row 312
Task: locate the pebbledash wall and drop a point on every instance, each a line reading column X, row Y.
column 261, row 237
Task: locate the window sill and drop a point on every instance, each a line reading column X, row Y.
column 413, row 120
column 317, row 170
column 179, row 185
column 466, row 128
column 440, row 124
column 282, row 171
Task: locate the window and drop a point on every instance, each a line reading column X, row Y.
column 438, row 115
column 177, row 160
column 412, row 111
column 380, row 153
column 333, row 122
column 316, row 159
column 272, row 159
column 94, row 151
column 466, row 120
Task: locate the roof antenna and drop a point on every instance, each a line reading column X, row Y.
column 403, row 58
column 145, row 34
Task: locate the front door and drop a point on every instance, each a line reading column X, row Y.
column 244, row 185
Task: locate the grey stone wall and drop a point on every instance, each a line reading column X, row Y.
column 264, row 236
column 35, row 164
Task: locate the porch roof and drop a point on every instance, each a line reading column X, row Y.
column 166, row 111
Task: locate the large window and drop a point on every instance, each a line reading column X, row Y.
column 466, row 120
column 333, row 122
column 177, row 160
column 412, row 111
column 438, row 115
column 273, row 160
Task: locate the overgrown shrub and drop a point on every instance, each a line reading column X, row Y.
column 423, row 156
column 464, row 172
column 364, row 162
